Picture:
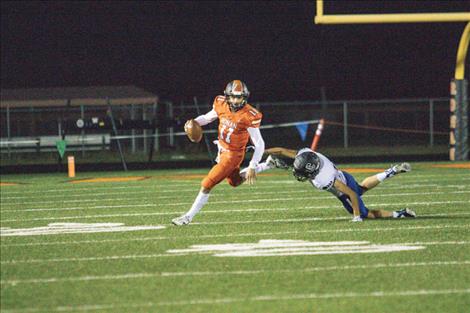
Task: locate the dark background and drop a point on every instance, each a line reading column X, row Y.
column 181, row 49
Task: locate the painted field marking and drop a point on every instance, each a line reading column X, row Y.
column 126, row 276
column 313, row 219
column 153, row 238
column 156, row 195
column 191, row 192
column 231, row 235
column 108, row 179
column 216, row 301
column 454, row 165
column 73, row 228
column 224, row 211
column 311, row 195
column 212, row 203
column 273, row 247
column 147, row 256
column 165, row 183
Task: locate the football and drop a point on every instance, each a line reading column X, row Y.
column 193, row 130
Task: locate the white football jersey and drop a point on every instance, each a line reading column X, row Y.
column 327, row 175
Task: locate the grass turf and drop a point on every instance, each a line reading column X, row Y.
column 134, row 272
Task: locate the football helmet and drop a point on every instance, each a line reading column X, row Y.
column 237, row 94
column 306, row 166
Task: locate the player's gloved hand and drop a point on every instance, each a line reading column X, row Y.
column 357, row 219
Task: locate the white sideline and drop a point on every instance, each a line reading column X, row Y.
column 148, row 256
column 227, row 211
column 342, row 230
column 14, row 282
column 155, row 195
column 287, row 297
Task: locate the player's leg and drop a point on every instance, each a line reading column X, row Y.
column 365, row 212
column 218, row 173
column 198, row 204
column 372, row 181
column 395, row 214
column 379, row 214
column 369, row 213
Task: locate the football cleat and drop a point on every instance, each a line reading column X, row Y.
column 401, row 168
column 274, row 162
column 406, row 213
column 182, row 220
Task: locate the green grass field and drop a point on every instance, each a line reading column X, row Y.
column 296, row 251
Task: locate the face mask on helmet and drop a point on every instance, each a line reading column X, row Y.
column 300, row 176
column 306, row 166
column 237, row 94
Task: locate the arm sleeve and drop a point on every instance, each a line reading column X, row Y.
column 258, row 142
column 207, row 118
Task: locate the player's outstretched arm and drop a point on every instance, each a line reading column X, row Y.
column 207, row 118
column 258, row 142
column 354, row 201
column 289, row 153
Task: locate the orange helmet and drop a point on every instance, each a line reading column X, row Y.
column 237, row 88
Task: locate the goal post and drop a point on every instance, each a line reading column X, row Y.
column 322, row 18
column 458, row 141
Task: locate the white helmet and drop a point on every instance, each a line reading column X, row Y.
column 237, row 88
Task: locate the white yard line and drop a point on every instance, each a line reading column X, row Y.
column 155, row 195
column 104, row 258
column 264, row 298
column 314, row 219
column 224, row 211
column 153, row 190
column 231, row 235
column 244, row 201
column 147, row 256
column 167, row 184
column 126, row 276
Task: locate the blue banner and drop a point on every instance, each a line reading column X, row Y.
column 302, row 128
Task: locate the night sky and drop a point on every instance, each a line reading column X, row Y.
column 182, row 49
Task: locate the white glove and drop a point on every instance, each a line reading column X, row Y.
column 357, row 219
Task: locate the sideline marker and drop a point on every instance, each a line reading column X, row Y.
column 71, row 166
column 318, row 132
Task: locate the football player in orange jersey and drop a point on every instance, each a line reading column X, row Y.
column 238, row 122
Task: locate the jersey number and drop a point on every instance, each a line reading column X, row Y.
column 229, row 133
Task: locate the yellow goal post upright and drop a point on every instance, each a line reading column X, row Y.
column 458, row 140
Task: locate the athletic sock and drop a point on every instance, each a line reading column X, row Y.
column 199, row 202
column 385, row 175
column 261, row 167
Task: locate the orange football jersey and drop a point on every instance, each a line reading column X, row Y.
column 233, row 133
